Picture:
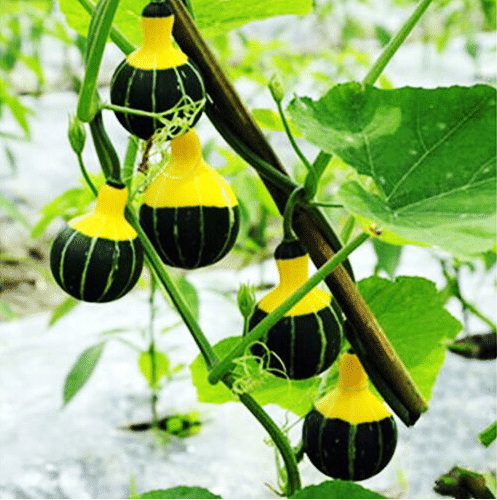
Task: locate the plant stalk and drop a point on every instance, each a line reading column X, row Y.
column 393, row 45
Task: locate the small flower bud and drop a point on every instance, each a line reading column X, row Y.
column 246, row 300
column 76, row 134
column 276, row 88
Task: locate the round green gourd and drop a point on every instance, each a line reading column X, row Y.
column 98, row 257
column 350, row 434
column 189, row 212
column 306, row 341
column 158, row 78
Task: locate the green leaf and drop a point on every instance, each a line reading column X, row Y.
column 431, row 153
column 336, row 489
column 62, row 309
column 180, row 492
column 213, row 17
column 413, row 317
column 9, row 208
column 296, row 395
column 162, row 366
column 81, row 371
column 488, row 435
column 388, row 256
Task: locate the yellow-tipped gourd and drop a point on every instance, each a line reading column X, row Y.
column 159, row 78
column 350, row 434
column 306, row 341
column 189, row 212
column 98, row 257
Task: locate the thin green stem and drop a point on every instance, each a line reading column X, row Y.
column 293, row 142
column 132, row 111
column 84, row 172
column 151, row 350
column 129, row 161
column 473, row 310
column 291, row 203
column 325, row 204
column 394, row 44
column 347, row 229
column 280, row 440
column 221, row 368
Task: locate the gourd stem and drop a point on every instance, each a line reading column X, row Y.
column 293, row 200
column 109, row 161
column 221, row 368
column 84, row 172
column 280, row 440
column 394, row 44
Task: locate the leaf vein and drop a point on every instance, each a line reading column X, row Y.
column 441, row 141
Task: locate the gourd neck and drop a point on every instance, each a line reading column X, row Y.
column 293, row 272
column 186, row 155
column 111, row 200
column 352, row 376
column 157, row 51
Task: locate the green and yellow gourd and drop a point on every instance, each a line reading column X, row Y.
column 98, row 257
column 350, row 434
column 306, row 341
column 189, row 212
column 157, row 78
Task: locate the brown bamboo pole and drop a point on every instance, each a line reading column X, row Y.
column 381, row 355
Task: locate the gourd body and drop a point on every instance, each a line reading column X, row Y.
column 158, row 78
column 189, row 213
column 306, row 341
column 98, row 257
column 350, row 434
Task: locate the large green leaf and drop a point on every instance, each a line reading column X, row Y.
column 336, row 489
column 413, row 317
column 211, row 16
column 296, row 395
column 431, row 152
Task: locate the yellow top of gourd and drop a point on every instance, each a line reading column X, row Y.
column 187, row 180
column 352, row 400
column 107, row 219
column 293, row 274
column 158, row 51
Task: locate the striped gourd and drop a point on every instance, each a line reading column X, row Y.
column 350, row 434
column 158, row 78
column 98, row 257
column 306, row 341
column 189, row 212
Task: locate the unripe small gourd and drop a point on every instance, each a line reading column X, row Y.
column 350, row 434
column 306, row 341
column 189, row 212
column 98, row 257
column 157, row 78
